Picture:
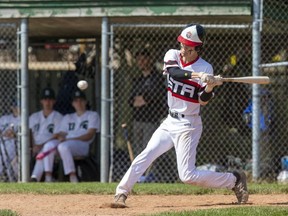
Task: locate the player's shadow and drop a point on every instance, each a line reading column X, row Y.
column 279, row 203
column 169, row 206
column 206, row 205
column 224, row 204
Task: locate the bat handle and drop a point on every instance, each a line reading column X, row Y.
column 125, row 131
column 40, row 156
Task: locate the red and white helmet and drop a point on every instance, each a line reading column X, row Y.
column 192, row 35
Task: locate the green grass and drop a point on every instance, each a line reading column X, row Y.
column 6, row 212
column 152, row 189
column 143, row 189
column 239, row 211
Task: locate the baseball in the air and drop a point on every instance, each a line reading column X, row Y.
column 82, row 84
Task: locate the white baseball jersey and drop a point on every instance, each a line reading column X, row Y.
column 183, row 94
column 9, row 121
column 43, row 127
column 75, row 125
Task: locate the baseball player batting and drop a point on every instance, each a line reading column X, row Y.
column 183, row 126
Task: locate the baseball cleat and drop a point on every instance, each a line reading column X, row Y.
column 119, row 201
column 240, row 188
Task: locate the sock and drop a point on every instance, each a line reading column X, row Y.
column 236, row 174
column 73, row 178
column 34, row 177
column 48, row 178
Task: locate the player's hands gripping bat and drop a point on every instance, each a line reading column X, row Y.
column 217, row 81
column 206, row 78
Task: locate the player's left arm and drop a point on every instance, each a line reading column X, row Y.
column 207, row 88
column 206, row 95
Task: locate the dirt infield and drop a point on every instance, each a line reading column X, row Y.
column 72, row 205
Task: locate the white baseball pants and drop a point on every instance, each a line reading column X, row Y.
column 184, row 135
column 46, row 164
column 70, row 148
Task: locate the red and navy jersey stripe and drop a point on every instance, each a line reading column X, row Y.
column 187, row 90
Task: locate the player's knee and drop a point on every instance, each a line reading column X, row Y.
column 48, row 146
column 189, row 177
column 62, row 148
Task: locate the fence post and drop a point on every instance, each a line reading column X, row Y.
column 256, row 40
column 104, row 163
column 25, row 154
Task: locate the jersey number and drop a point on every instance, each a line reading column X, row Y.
column 71, row 126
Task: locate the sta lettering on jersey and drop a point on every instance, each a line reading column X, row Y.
column 184, row 89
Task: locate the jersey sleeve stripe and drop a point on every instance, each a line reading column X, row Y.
column 170, row 63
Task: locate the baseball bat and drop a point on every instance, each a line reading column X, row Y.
column 129, row 146
column 41, row 155
column 248, row 79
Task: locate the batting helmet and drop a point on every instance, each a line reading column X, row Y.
column 193, row 35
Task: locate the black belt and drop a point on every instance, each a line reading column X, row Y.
column 174, row 114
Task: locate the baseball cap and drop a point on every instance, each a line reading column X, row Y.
column 15, row 103
column 47, row 93
column 193, row 35
column 78, row 94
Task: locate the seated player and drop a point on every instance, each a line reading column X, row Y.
column 76, row 133
column 42, row 125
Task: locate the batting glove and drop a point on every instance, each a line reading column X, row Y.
column 217, row 82
column 207, row 78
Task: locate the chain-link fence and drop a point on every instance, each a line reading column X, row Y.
column 274, row 47
column 226, row 141
column 139, row 91
column 225, row 132
column 9, row 106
